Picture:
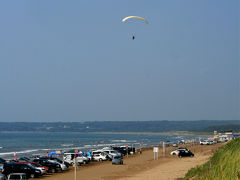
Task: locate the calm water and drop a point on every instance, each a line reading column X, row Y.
column 40, row 143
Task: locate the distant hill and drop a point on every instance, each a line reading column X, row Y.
column 122, row 126
column 223, row 165
column 221, row 128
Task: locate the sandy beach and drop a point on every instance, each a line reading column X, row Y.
column 141, row 166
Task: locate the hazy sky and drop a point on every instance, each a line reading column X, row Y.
column 74, row 60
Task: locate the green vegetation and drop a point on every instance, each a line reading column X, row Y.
column 224, row 165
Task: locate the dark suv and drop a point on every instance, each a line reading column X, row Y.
column 29, row 170
column 185, row 153
column 52, row 167
column 56, row 159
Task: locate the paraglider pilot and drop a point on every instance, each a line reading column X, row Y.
column 133, row 37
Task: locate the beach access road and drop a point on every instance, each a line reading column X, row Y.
column 142, row 166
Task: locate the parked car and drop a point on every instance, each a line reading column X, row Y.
column 85, row 158
column 122, row 149
column 185, row 153
column 43, row 169
column 113, row 152
column 81, row 159
column 108, row 156
column 52, row 166
column 117, row 160
column 205, row 142
column 100, row 157
column 29, row 170
column 17, row 176
column 56, row 159
column 176, row 152
column 62, row 164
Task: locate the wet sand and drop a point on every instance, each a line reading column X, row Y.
column 141, row 166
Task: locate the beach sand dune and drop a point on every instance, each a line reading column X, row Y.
column 141, row 166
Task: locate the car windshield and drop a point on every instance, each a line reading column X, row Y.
column 117, row 157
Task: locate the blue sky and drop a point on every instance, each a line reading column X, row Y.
column 75, row 60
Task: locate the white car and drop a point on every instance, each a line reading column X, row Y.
column 99, row 157
column 174, row 152
column 85, row 159
column 69, row 157
column 104, row 153
column 205, row 142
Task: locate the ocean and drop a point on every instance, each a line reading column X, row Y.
column 37, row 143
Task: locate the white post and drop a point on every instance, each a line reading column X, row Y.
column 75, row 172
column 155, row 152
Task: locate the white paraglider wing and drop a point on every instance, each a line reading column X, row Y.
column 136, row 17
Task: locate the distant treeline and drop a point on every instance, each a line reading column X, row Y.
column 123, row 126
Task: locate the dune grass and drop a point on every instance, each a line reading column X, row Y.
column 224, row 164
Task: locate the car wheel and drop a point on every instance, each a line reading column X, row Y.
column 180, row 156
column 53, row 170
column 192, row 155
column 84, row 162
column 32, row 176
column 100, row 159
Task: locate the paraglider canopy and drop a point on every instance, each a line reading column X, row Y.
column 135, row 17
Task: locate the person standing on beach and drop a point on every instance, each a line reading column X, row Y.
column 15, row 155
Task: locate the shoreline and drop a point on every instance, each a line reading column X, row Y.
column 184, row 133
column 142, row 166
